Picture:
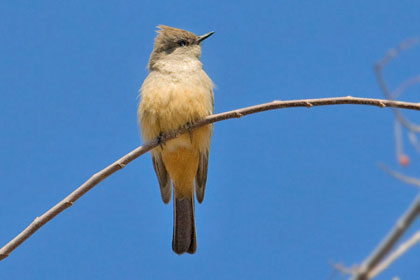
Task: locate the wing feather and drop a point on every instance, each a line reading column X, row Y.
column 163, row 177
column 201, row 176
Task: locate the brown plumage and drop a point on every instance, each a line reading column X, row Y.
column 178, row 92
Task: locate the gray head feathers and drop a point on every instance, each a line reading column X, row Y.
column 175, row 43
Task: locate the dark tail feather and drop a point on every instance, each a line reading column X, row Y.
column 184, row 238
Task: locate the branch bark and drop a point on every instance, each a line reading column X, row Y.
column 122, row 162
column 411, row 242
column 375, row 264
column 404, row 222
column 412, row 127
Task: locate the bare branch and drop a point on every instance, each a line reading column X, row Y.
column 122, row 162
column 402, row 225
column 339, row 267
column 395, row 255
column 400, row 176
column 398, row 140
column 404, row 86
column 414, row 141
column 410, row 126
column 392, row 53
column 373, row 265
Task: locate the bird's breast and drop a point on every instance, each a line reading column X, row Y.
column 170, row 101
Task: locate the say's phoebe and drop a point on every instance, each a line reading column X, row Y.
column 176, row 93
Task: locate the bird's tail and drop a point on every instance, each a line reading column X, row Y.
column 184, row 237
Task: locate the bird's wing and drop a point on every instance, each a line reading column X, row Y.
column 163, row 177
column 201, row 176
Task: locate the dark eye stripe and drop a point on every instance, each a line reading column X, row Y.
column 182, row 43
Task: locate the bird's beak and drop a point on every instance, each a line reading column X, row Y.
column 205, row 36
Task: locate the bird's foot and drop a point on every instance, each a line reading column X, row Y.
column 160, row 140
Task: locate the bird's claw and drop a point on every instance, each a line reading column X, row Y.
column 160, row 140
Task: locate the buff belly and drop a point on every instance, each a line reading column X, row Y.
column 166, row 108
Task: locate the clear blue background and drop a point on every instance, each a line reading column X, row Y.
column 289, row 191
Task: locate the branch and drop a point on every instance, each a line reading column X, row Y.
column 403, row 178
column 371, row 266
column 395, row 255
column 410, row 126
column 339, row 267
column 388, row 243
column 122, row 162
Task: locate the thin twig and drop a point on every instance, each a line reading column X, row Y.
column 383, row 249
column 122, row 162
column 393, row 95
column 397, row 175
column 399, row 144
column 404, row 222
column 414, row 140
column 339, row 267
column 411, row 126
column 388, row 243
column 404, row 247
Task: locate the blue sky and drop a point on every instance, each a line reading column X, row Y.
column 288, row 191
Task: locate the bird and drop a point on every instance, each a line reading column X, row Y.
column 176, row 93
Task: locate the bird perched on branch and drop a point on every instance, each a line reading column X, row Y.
column 176, row 93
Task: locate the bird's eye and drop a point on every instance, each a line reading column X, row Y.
column 182, row 43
